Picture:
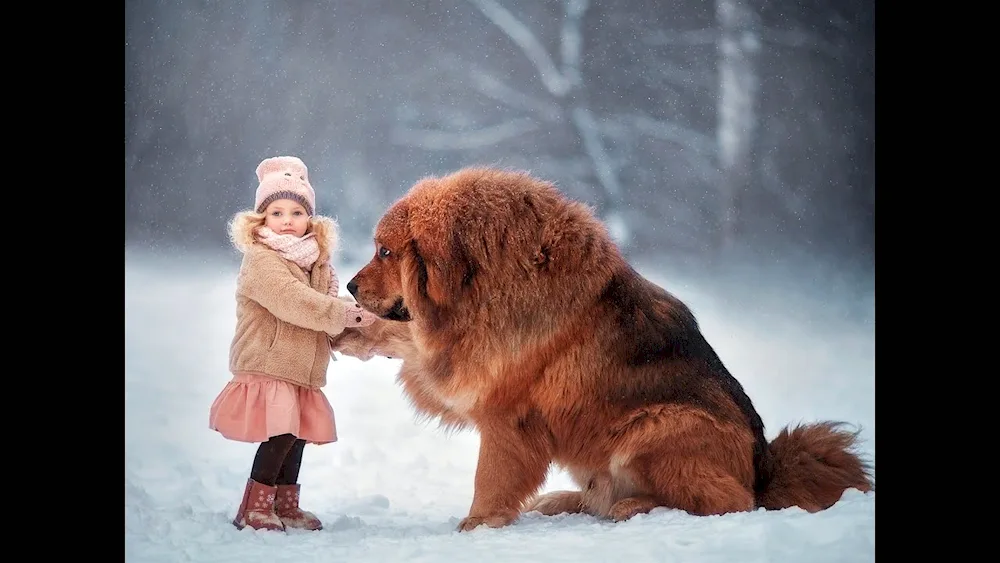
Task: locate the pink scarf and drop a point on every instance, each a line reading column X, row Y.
column 304, row 251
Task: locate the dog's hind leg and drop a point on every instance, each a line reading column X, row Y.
column 695, row 487
column 684, row 458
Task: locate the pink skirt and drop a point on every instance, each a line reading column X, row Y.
column 252, row 408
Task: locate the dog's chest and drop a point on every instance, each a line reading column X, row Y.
column 468, row 390
column 452, row 394
column 460, row 403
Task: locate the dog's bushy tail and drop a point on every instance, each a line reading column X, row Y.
column 811, row 467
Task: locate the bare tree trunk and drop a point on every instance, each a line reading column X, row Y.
column 739, row 45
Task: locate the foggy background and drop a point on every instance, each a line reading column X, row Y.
column 698, row 129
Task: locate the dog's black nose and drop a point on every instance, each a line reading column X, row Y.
column 353, row 288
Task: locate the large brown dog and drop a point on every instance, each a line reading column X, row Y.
column 516, row 315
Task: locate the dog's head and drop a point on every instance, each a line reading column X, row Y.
column 420, row 264
column 479, row 241
column 378, row 287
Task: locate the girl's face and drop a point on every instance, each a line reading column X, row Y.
column 286, row 217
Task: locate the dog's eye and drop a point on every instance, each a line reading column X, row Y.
column 383, row 252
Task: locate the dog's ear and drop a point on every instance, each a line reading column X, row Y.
column 444, row 266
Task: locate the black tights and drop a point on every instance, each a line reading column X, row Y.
column 277, row 461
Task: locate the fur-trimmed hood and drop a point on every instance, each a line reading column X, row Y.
column 242, row 232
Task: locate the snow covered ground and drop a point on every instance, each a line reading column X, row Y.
column 393, row 489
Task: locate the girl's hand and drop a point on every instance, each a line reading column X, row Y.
column 356, row 316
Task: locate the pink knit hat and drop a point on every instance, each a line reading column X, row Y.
column 284, row 177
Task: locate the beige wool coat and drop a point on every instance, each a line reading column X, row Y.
column 283, row 317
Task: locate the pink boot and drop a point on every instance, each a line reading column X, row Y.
column 257, row 508
column 286, row 505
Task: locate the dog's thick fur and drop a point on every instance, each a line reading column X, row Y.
column 515, row 314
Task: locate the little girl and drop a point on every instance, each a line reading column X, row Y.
column 287, row 309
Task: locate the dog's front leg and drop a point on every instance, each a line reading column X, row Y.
column 512, row 465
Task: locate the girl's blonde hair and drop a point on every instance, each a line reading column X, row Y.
column 242, row 230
